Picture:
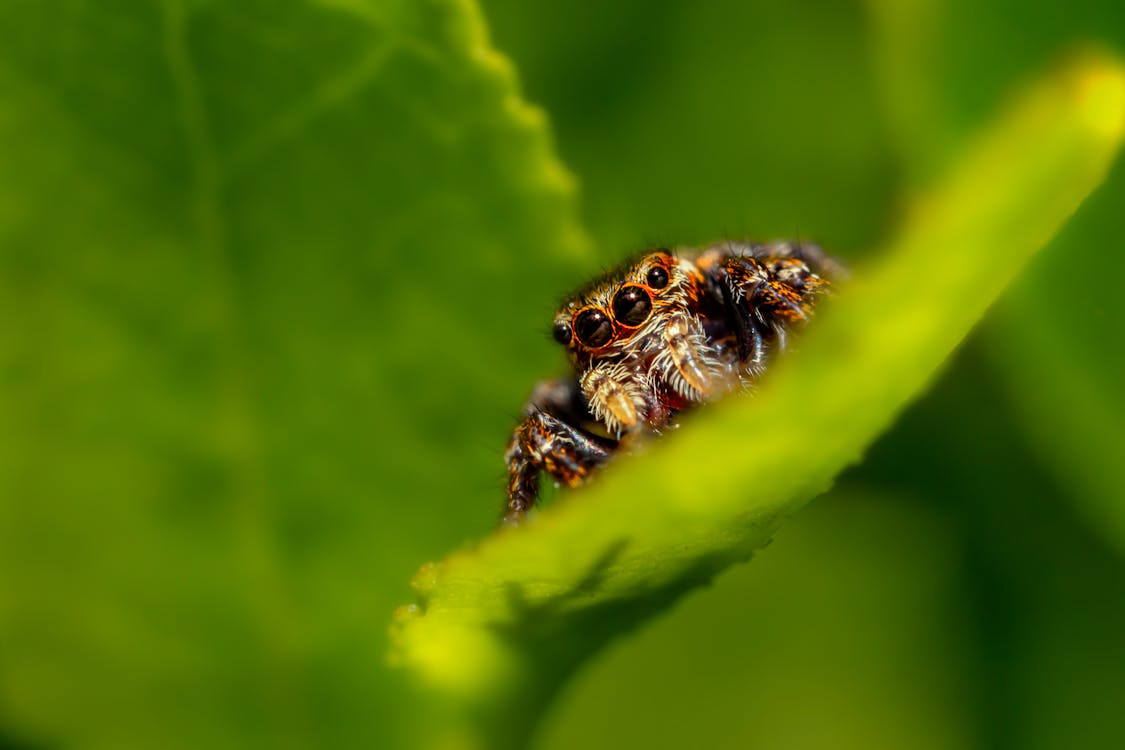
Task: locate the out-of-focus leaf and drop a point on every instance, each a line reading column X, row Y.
column 496, row 629
column 941, row 63
column 1054, row 340
column 905, row 44
column 848, row 632
column 1044, row 600
column 688, row 122
column 255, row 269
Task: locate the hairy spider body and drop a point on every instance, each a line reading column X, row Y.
column 650, row 340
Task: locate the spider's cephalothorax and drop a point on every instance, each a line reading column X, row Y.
column 653, row 338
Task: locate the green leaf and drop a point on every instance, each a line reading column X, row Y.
column 1053, row 340
column 1048, row 339
column 255, row 267
column 688, row 123
column 498, row 628
column 868, row 637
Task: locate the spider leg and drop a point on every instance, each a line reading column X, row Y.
column 751, row 345
column 812, row 256
column 777, row 303
column 544, row 442
column 766, row 290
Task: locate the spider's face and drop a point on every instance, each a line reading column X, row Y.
column 612, row 315
column 652, row 339
column 624, row 334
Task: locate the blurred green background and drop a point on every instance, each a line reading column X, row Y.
column 274, row 278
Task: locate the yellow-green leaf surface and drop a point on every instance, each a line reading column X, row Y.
column 256, row 264
column 496, row 628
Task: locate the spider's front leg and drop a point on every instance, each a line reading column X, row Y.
column 799, row 257
column 769, row 289
column 549, row 440
column 779, row 282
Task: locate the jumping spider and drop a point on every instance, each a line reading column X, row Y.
column 650, row 340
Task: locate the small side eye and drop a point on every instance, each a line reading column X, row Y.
column 657, row 277
column 593, row 328
column 561, row 332
column 632, row 305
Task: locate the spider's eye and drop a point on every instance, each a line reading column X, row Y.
column 593, row 328
column 657, row 277
column 631, row 305
column 561, row 332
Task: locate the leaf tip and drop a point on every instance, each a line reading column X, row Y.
column 1100, row 98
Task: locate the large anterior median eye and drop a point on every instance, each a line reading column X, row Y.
column 631, row 305
column 593, row 328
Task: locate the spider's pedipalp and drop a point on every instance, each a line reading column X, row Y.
column 686, row 361
column 615, row 395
